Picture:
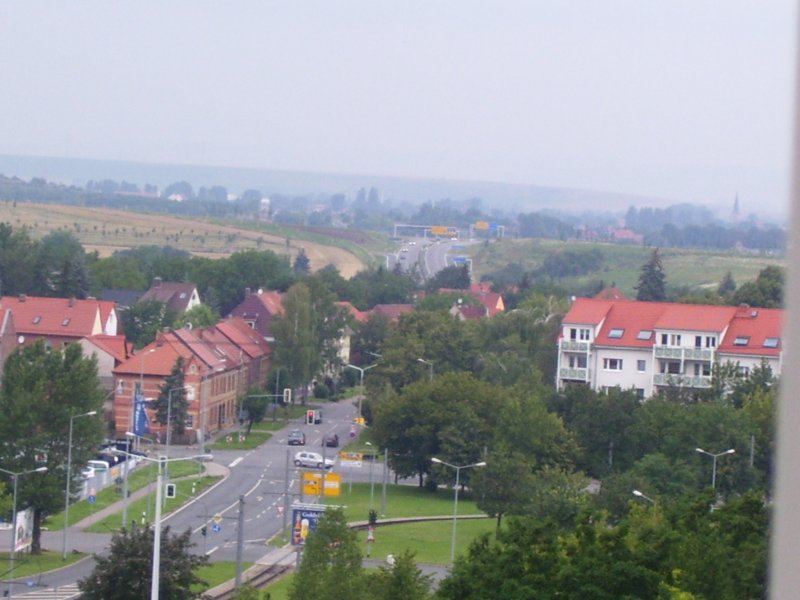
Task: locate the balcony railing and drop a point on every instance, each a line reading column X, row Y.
column 572, row 346
column 574, row 374
column 680, row 353
column 693, row 381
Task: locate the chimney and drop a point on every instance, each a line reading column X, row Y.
column 22, row 297
column 156, row 282
column 71, row 301
column 247, row 291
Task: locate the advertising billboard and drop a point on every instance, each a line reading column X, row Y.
column 304, row 522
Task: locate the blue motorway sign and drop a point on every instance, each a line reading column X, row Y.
column 216, row 528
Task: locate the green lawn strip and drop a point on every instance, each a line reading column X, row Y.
column 428, row 540
column 280, row 589
column 401, row 500
column 27, row 564
column 240, row 441
column 187, row 489
column 217, row 573
column 137, row 479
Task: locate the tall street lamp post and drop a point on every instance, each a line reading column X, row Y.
column 430, row 367
column 13, row 549
column 639, row 494
column 67, row 489
column 714, row 467
column 361, row 371
column 455, row 498
column 371, row 481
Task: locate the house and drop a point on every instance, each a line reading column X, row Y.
column 220, row 364
column 650, row 346
column 258, row 309
column 109, row 351
column 8, row 336
column 177, row 296
column 482, row 293
column 392, row 311
column 59, row 321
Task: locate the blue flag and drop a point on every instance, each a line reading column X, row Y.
column 141, row 424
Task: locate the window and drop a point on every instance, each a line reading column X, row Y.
column 584, row 335
column 641, row 366
column 36, row 320
column 702, row 369
column 579, row 334
column 675, row 339
column 772, row 342
column 671, row 367
column 65, row 322
column 742, row 371
column 573, row 334
column 640, row 393
column 644, row 334
column 664, row 339
column 698, row 341
column 612, row 364
column 189, row 422
column 711, row 341
column 741, row 340
column 577, row 361
column 616, row 334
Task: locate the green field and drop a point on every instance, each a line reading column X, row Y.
column 622, row 265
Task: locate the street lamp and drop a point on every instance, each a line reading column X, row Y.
column 371, row 481
column 361, row 396
column 12, row 554
column 455, row 498
column 161, row 461
column 714, row 468
column 430, row 365
column 639, row 494
column 72, row 418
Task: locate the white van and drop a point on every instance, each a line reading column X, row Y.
column 98, row 465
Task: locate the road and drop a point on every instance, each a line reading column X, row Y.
column 259, row 476
column 426, row 254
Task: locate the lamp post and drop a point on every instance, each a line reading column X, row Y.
column 13, row 549
column 361, row 396
column 371, row 481
column 430, row 367
column 72, row 418
column 714, row 467
column 455, row 498
column 639, row 494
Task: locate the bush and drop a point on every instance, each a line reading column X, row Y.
column 321, row 391
column 431, row 485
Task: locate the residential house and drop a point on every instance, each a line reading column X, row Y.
column 177, row 296
column 649, row 346
column 258, row 309
column 8, row 336
column 59, row 321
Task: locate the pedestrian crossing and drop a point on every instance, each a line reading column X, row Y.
column 64, row 592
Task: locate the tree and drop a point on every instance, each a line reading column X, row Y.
column 18, row 255
column 142, row 321
column 255, row 406
column 766, row 291
column 727, row 285
column 402, row 581
column 295, row 349
column 331, row 565
column 201, row 315
column 651, row 287
column 171, row 402
column 302, row 264
column 126, row 571
column 41, row 389
column 452, row 277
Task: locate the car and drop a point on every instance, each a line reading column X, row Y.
column 87, row 472
column 311, row 459
column 331, row 440
column 412, row 243
column 297, row 438
column 453, row 239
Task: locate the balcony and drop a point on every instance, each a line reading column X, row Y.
column 692, row 381
column 573, row 346
column 573, row 374
column 680, row 353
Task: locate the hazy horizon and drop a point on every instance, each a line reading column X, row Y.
column 685, row 101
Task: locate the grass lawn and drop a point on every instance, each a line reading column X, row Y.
column 137, row 479
column 219, row 572
column 187, row 489
column 29, row 564
column 401, row 500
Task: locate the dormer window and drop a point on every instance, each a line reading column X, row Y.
column 65, row 322
column 741, row 340
column 36, row 320
column 616, row 334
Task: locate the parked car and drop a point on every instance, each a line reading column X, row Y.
column 331, row 440
column 87, row 472
column 297, row 438
column 311, row 459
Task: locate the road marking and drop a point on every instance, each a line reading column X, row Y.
column 235, row 462
column 210, row 552
column 64, row 592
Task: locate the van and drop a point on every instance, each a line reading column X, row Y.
column 99, row 465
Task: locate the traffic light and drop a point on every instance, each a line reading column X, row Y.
column 204, row 531
column 171, row 490
column 309, row 417
column 287, row 395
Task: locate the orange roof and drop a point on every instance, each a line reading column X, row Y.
column 751, row 328
column 238, row 332
column 272, row 301
column 154, row 359
column 115, row 345
column 358, row 315
column 63, row 317
column 392, row 311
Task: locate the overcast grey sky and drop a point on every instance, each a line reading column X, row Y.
column 687, row 99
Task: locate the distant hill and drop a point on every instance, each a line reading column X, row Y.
column 503, row 196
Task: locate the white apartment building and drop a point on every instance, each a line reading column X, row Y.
column 649, row 346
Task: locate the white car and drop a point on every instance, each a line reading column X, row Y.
column 87, row 472
column 311, row 459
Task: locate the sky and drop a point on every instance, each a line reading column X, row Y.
column 686, row 100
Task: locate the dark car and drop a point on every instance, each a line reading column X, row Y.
column 297, row 438
column 331, row 440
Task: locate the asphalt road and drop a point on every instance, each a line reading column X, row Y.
column 260, row 477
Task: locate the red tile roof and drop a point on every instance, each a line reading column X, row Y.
column 392, row 311
column 115, row 345
column 358, row 315
column 62, row 317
